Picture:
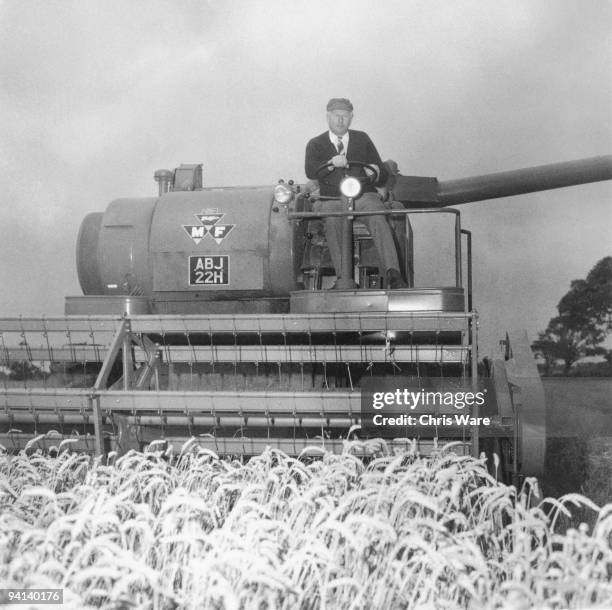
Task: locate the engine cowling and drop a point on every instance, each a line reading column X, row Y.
column 188, row 251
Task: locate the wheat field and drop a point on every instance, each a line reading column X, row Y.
column 186, row 529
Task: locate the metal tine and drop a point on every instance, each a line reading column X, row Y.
column 337, row 349
column 370, row 368
column 366, row 353
column 34, row 412
column 16, row 445
column 263, row 350
column 289, row 360
column 95, row 346
column 46, row 337
column 25, row 342
column 162, row 417
column 212, row 350
column 348, row 369
column 441, row 359
column 418, row 363
column 8, row 412
column 362, row 350
column 60, row 417
column 463, row 363
column 158, row 354
column 268, row 425
column 396, row 366
column 261, row 353
column 138, row 430
column 389, row 355
column 193, row 358
column 70, row 345
column 387, row 348
column 108, row 416
column 313, row 359
column 189, row 416
column 216, row 441
column 85, row 414
column 412, row 350
column 464, row 360
column 167, row 351
column 241, row 417
column 295, row 422
column 85, row 361
column 236, row 349
column 5, row 353
column 213, row 413
column 311, row 348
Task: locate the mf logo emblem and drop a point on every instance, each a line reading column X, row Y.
column 208, row 220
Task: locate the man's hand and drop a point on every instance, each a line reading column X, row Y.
column 383, row 192
column 312, row 186
column 368, row 171
column 339, row 161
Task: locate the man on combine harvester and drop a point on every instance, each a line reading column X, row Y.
column 329, row 158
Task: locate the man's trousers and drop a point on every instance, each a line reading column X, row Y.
column 378, row 226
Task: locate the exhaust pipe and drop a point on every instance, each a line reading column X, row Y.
column 163, row 177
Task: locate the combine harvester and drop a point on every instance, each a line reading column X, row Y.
column 208, row 313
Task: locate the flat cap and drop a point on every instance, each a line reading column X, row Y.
column 339, row 103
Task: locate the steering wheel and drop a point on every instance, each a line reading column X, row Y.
column 330, row 167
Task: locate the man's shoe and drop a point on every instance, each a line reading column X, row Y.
column 394, row 280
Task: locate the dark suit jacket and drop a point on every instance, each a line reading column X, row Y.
column 360, row 148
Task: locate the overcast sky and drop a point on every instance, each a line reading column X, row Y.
column 95, row 95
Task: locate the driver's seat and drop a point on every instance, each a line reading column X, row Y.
column 316, row 262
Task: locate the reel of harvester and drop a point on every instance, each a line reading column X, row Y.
column 238, row 382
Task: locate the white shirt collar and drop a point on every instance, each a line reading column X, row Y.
column 333, row 138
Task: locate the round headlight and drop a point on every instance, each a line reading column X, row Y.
column 350, row 187
column 282, row 193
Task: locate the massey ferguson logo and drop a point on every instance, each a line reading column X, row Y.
column 208, row 220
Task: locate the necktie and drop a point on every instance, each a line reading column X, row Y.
column 340, row 146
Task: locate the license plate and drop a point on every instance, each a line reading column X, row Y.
column 208, row 270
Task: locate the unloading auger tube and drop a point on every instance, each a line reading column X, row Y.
column 207, row 313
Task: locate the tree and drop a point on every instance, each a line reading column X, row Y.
column 560, row 341
column 584, row 320
column 545, row 347
column 588, row 304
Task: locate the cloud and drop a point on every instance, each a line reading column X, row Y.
column 96, row 95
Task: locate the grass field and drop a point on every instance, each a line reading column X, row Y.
column 579, row 430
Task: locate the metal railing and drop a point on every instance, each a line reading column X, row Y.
column 351, row 215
